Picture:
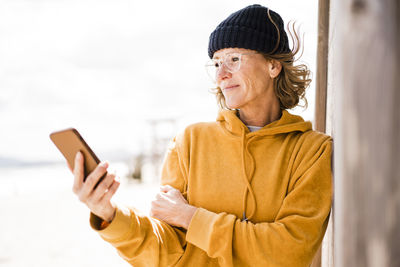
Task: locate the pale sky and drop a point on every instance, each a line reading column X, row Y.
column 107, row 67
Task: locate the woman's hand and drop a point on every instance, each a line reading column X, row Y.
column 98, row 199
column 171, row 207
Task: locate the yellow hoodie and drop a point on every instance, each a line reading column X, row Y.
column 263, row 198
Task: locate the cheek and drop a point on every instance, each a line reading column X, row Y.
column 262, row 81
column 252, row 83
column 263, row 84
column 253, row 75
column 245, row 81
column 253, row 79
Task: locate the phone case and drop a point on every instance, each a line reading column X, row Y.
column 69, row 142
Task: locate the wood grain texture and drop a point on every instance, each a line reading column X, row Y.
column 367, row 143
column 321, row 88
column 322, row 65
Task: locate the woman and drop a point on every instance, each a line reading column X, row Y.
column 251, row 189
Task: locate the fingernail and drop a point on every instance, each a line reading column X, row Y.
column 78, row 154
column 103, row 164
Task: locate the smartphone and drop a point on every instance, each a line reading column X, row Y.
column 69, row 142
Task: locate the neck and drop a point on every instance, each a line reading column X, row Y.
column 260, row 116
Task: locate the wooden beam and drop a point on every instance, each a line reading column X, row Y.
column 367, row 139
column 321, row 84
column 322, row 65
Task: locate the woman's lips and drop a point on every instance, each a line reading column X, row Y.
column 230, row 87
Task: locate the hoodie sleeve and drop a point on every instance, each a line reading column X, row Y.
column 174, row 170
column 143, row 240
column 291, row 240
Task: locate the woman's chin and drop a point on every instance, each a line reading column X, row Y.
column 232, row 104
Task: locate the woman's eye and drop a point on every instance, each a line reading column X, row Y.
column 235, row 59
column 216, row 64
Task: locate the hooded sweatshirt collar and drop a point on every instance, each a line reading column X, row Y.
column 286, row 124
column 230, row 122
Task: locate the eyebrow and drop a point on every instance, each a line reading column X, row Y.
column 228, row 53
column 217, row 57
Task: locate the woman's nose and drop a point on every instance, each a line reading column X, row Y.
column 223, row 73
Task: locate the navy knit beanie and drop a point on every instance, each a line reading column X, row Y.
column 250, row 28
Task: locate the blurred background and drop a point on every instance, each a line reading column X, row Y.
column 129, row 75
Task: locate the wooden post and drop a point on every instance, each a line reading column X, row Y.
column 321, row 93
column 322, row 65
column 367, row 133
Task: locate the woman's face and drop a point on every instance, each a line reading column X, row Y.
column 251, row 85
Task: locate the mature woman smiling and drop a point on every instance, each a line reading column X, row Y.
column 252, row 188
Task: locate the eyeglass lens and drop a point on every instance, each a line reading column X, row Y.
column 230, row 61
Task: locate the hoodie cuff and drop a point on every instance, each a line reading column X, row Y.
column 118, row 227
column 200, row 228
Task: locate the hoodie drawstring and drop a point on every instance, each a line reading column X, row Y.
column 247, row 180
column 233, row 127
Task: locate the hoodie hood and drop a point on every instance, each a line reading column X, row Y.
column 288, row 123
column 231, row 123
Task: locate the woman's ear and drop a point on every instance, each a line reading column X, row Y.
column 275, row 68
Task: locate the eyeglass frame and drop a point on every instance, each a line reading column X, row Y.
column 212, row 61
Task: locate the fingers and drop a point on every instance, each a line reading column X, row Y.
column 166, row 188
column 111, row 190
column 103, row 186
column 98, row 188
column 169, row 190
column 92, row 180
column 78, row 172
column 157, row 206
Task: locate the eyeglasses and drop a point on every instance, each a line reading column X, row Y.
column 231, row 61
